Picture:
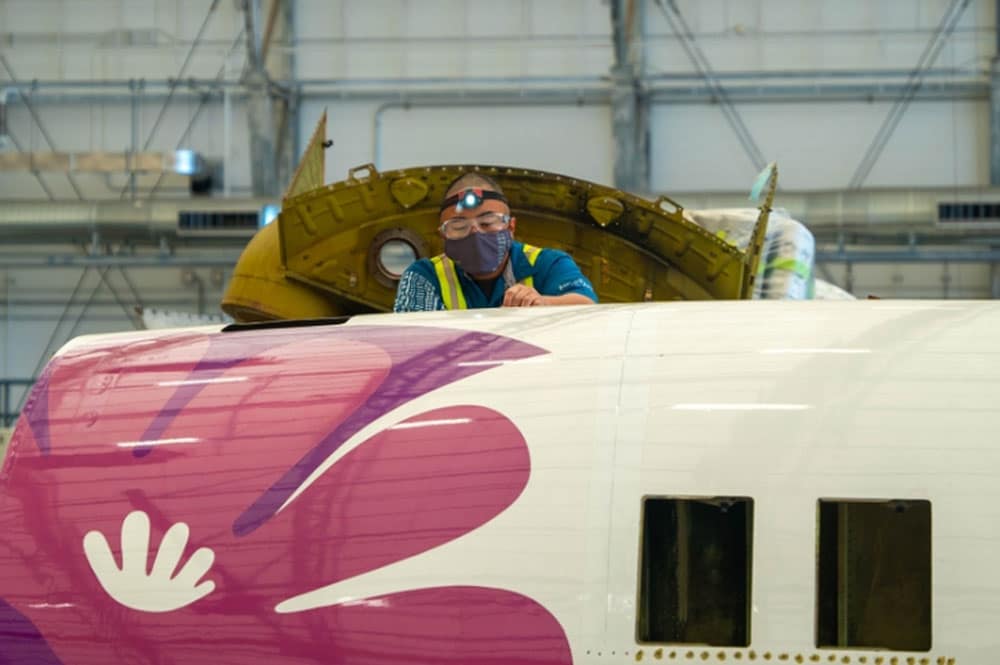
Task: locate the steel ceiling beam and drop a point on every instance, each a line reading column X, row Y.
column 38, row 176
column 205, row 96
column 77, row 261
column 629, row 103
column 926, row 60
column 995, row 103
column 907, row 256
column 173, row 83
column 272, row 16
column 261, row 116
column 704, row 68
column 680, row 88
column 43, row 358
column 38, row 121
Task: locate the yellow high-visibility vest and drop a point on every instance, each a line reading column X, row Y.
column 451, row 289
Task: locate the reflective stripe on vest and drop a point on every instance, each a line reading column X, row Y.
column 451, row 289
column 530, row 253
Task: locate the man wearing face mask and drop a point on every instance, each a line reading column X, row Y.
column 482, row 264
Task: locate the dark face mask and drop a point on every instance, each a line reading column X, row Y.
column 479, row 253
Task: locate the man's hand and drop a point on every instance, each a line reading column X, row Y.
column 520, row 295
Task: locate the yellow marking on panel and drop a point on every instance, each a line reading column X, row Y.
column 310, row 174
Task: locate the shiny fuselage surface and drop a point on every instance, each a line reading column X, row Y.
column 468, row 487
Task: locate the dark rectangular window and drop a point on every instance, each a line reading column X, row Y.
column 967, row 212
column 218, row 220
column 694, row 586
column 873, row 579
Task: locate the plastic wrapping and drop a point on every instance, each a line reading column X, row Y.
column 787, row 261
column 734, row 225
column 158, row 319
column 826, row 291
column 788, row 256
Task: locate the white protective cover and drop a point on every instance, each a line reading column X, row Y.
column 788, row 255
column 158, row 319
column 824, row 290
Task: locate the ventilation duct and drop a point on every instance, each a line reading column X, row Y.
column 118, row 220
column 970, row 211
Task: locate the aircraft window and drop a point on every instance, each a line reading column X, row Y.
column 873, row 579
column 694, row 585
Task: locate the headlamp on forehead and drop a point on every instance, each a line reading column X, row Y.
column 471, row 198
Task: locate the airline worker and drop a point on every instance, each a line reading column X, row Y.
column 482, row 264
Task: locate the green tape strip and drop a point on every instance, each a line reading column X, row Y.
column 798, row 267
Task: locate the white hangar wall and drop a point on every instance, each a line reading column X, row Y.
column 83, row 127
column 817, row 147
column 42, row 308
column 529, row 48
column 937, row 143
column 492, row 67
column 556, row 138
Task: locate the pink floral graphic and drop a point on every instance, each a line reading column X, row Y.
column 220, row 433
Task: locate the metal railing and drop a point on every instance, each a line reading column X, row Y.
column 8, row 416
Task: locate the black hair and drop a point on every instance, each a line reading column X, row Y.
column 473, row 179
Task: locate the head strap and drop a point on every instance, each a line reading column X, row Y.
column 471, row 198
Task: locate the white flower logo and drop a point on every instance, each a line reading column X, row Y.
column 159, row 590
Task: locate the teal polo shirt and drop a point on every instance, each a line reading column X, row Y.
column 554, row 274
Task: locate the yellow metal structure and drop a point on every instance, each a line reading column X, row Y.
column 324, row 255
column 260, row 291
column 311, row 171
column 4, row 439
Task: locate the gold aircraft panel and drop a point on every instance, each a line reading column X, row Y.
column 630, row 248
column 324, row 256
